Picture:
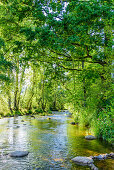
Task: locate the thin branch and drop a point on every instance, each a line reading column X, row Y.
column 8, row 49
column 76, row 44
column 68, row 68
column 68, row 56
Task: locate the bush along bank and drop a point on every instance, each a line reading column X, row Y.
column 101, row 124
column 25, row 112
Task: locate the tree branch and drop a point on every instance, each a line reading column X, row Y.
column 68, row 56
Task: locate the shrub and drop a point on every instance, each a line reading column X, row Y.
column 49, row 112
column 38, row 111
column 103, row 125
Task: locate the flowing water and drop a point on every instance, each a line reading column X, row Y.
column 51, row 143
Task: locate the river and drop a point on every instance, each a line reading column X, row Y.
column 51, row 143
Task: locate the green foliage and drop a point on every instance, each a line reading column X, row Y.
column 103, row 125
column 4, row 77
column 29, row 112
column 1, row 43
column 37, row 111
column 49, row 112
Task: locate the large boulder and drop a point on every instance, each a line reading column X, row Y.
column 83, row 160
column 19, row 153
column 90, row 137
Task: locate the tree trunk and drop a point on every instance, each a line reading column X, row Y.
column 43, row 86
column 9, row 103
column 16, row 107
column 9, row 93
column 84, row 88
column 29, row 104
column 20, row 89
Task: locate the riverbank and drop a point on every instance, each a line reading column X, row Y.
column 22, row 113
column 101, row 122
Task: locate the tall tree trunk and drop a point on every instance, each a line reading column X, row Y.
column 20, row 88
column 9, row 93
column 74, row 89
column 9, row 102
column 29, row 103
column 16, row 107
column 84, row 88
column 43, row 89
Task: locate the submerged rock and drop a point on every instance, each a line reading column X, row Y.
column 111, row 155
column 48, row 118
column 19, row 153
column 93, row 167
column 17, row 127
column 99, row 157
column 90, row 137
column 32, row 116
column 103, row 156
column 83, row 160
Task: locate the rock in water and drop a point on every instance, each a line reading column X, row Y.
column 100, row 157
column 83, row 160
column 90, row 137
column 19, row 153
column 93, row 167
column 103, row 156
column 32, row 116
column 48, row 118
column 72, row 123
column 111, row 155
column 16, row 127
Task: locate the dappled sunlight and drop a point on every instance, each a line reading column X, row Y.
column 58, row 160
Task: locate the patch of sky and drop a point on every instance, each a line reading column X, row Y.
column 48, row 10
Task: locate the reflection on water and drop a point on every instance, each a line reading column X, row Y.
column 52, row 143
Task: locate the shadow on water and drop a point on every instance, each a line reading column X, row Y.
column 52, row 143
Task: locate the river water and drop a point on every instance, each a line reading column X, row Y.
column 51, row 143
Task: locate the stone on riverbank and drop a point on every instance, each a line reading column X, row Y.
column 83, row 160
column 90, row 137
column 19, row 153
